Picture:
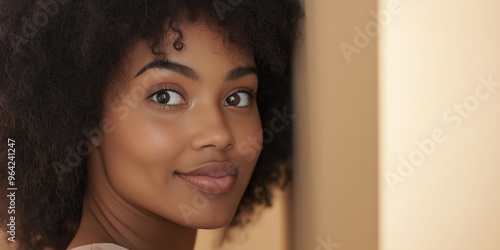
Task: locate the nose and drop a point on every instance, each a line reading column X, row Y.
column 211, row 130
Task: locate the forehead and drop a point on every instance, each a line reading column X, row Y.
column 203, row 48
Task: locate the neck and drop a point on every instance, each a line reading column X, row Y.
column 108, row 218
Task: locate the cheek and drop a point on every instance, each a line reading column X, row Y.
column 139, row 158
column 142, row 145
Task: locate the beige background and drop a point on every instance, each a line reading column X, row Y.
column 432, row 56
column 336, row 179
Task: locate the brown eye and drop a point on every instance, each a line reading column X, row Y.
column 163, row 97
column 238, row 99
column 167, row 97
column 233, row 100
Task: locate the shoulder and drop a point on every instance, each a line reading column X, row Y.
column 100, row 246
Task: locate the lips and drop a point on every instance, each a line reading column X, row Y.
column 212, row 177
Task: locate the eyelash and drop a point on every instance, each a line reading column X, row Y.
column 251, row 93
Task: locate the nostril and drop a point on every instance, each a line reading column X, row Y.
column 218, row 138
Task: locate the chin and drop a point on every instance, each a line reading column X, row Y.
column 211, row 224
column 211, row 217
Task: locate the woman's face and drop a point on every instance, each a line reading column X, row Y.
column 182, row 137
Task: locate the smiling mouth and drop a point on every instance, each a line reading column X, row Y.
column 212, row 178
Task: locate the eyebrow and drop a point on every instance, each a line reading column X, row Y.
column 176, row 67
column 190, row 73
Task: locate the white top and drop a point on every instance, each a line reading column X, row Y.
column 100, row 246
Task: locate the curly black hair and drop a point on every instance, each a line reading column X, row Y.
column 58, row 58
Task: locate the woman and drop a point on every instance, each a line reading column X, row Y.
column 136, row 123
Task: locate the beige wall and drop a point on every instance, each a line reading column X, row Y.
column 336, row 196
column 426, row 58
column 435, row 55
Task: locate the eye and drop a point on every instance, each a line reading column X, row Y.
column 167, row 97
column 242, row 98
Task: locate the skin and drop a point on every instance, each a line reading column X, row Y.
column 134, row 197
